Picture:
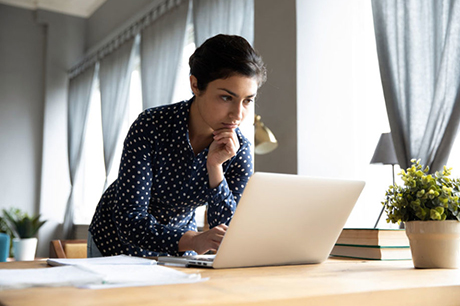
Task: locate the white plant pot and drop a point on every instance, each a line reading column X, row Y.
column 24, row 248
column 434, row 244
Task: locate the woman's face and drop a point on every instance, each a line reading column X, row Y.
column 225, row 102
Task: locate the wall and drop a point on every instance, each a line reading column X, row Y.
column 36, row 49
column 22, row 52
column 275, row 39
column 64, row 46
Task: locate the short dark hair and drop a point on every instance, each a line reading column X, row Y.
column 223, row 56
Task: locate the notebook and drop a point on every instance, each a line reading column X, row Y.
column 282, row 219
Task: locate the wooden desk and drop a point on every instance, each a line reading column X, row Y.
column 335, row 282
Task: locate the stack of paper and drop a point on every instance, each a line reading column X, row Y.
column 96, row 273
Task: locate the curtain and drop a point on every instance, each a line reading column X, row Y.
column 212, row 17
column 162, row 43
column 418, row 45
column 80, row 89
column 114, row 80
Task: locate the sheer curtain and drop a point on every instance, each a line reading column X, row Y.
column 79, row 96
column 418, row 44
column 114, row 79
column 212, row 17
column 162, row 43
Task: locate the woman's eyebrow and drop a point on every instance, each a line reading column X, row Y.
column 234, row 94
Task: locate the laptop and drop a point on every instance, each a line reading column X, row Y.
column 282, row 219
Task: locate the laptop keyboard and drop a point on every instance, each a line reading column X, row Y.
column 204, row 258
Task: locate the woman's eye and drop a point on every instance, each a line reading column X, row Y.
column 226, row 98
column 248, row 101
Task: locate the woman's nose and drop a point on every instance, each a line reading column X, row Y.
column 237, row 111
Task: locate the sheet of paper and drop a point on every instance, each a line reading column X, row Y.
column 48, row 277
column 110, row 260
column 132, row 275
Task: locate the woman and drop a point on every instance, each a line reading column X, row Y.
column 180, row 156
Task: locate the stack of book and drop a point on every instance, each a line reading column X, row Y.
column 378, row 244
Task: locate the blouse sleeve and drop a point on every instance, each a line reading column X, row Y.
column 225, row 197
column 134, row 223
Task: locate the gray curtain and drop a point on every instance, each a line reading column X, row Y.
column 114, row 80
column 212, row 17
column 80, row 89
column 162, row 43
column 418, row 45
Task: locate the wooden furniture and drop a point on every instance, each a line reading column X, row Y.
column 68, row 248
column 335, row 282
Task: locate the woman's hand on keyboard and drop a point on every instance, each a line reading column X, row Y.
column 203, row 242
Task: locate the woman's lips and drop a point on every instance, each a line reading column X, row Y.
column 230, row 125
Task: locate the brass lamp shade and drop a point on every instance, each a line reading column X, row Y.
column 265, row 141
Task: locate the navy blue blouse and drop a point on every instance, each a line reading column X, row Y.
column 161, row 182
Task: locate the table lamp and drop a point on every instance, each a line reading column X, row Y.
column 385, row 154
column 265, row 141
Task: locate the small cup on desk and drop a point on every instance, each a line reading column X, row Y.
column 4, row 247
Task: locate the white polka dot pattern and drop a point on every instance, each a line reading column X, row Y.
column 160, row 183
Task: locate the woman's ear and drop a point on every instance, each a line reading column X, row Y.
column 194, row 85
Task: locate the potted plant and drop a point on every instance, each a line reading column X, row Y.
column 429, row 205
column 24, row 228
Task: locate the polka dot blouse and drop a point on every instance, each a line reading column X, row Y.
column 160, row 183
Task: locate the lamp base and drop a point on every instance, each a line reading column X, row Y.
column 383, row 208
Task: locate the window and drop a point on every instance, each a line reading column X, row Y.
column 371, row 120
column 340, row 105
column 91, row 174
column 454, row 160
column 182, row 89
column 371, row 110
column 371, row 104
column 134, row 108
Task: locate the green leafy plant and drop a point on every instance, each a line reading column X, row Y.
column 4, row 226
column 424, row 196
column 21, row 224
